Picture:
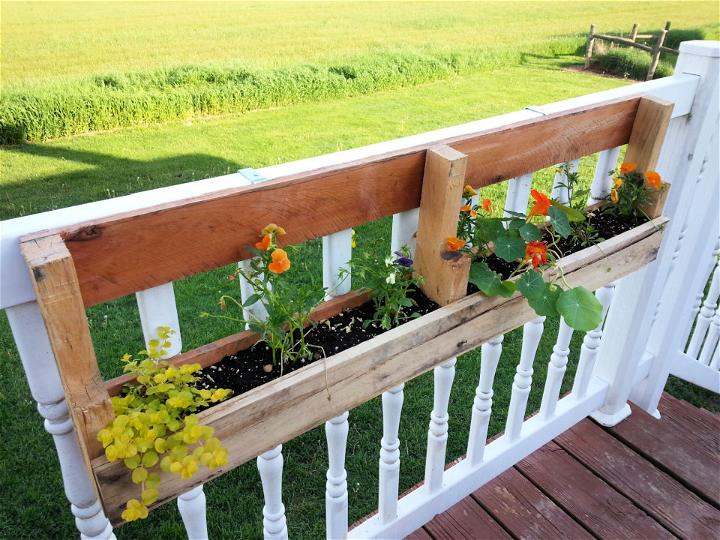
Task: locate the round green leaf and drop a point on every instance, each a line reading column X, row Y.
column 504, row 288
column 580, row 309
column 509, row 248
column 483, row 278
column 559, row 221
column 530, row 232
column 544, row 303
column 531, row 284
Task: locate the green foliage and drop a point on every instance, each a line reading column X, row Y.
column 154, row 426
column 489, row 281
column 580, row 309
column 631, row 63
column 287, row 304
column 390, row 279
column 559, row 221
column 629, row 194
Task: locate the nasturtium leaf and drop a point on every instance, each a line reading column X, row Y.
column 559, row 221
column 488, row 229
column 516, row 223
column 509, row 248
column 580, row 309
column 505, row 289
column 531, row 284
column 484, row 278
column 544, row 303
column 515, row 214
column 530, row 232
column 572, row 214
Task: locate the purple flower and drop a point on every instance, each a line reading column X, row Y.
column 405, row 261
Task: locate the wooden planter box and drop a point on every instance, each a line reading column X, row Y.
column 76, row 268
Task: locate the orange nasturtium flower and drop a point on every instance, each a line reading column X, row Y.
column 653, row 179
column 467, row 209
column 487, row 205
column 468, row 191
column 264, row 244
column 542, row 204
column 628, row 167
column 280, row 262
column 454, row 244
column 536, row 252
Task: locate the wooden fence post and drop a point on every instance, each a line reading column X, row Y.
column 657, row 49
column 634, row 32
column 446, row 273
column 590, row 43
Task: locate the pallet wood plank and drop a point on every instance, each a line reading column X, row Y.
column 58, row 296
column 671, row 447
column 590, row 500
column 648, row 132
column 445, row 274
column 524, row 510
column 217, row 228
column 287, row 407
column 420, row 534
column 465, row 520
column 665, row 499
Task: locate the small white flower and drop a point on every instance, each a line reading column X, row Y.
column 388, row 262
column 390, row 279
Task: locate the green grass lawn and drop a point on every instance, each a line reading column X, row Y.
column 70, row 171
column 70, row 39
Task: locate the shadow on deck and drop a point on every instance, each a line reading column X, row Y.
column 643, row 478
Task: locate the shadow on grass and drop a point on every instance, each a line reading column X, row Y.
column 105, row 177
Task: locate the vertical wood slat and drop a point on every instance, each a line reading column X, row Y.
column 389, row 477
column 58, row 296
column 445, row 273
column 560, row 190
column 157, row 308
column 336, row 493
column 38, row 361
column 443, row 376
column 591, row 345
column 518, row 191
column 705, row 315
column 270, row 466
column 532, row 332
column 482, row 404
column 556, row 370
column 603, row 179
column 648, row 132
column 337, row 252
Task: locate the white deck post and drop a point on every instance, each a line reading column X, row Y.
column 389, row 480
column 482, row 404
column 438, row 431
column 336, row 493
column 38, row 361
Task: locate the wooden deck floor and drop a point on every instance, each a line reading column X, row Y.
column 643, row 479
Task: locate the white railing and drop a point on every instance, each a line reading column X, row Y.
column 641, row 321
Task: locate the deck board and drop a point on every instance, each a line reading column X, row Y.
column 657, row 493
column 524, row 510
column 644, row 478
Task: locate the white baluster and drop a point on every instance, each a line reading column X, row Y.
column 603, row 179
column 37, row 358
column 482, row 404
column 715, row 363
column 711, row 340
column 270, row 465
column 404, row 228
column 560, row 183
column 157, row 308
column 532, row 332
column 443, row 376
column 336, row 493
column 705, row 316
column 591, row 345
column 556, row 370
column 518, row 191
column 389, row 480
column 194, row 515
column 256, row 310
column 337, row 252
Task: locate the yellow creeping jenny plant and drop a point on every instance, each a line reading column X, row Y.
column 154, row 425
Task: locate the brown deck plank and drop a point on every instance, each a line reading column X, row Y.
column 420, row 534
column 524, row 510
column 697, row 424
column 673, row 447
column 465, row 520
column 590, row 500
column 657, row 493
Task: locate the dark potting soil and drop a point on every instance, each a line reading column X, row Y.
column 244, row 371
